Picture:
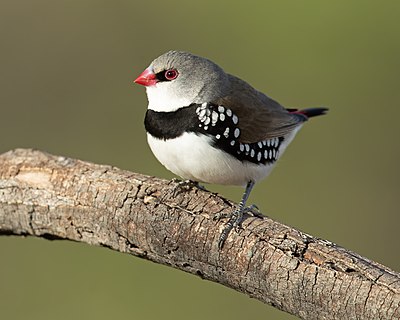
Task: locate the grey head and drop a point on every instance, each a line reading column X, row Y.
column 192, row 79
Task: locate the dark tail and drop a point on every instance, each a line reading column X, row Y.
column 311, row 112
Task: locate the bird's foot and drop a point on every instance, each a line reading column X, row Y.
column 185, row 185
column 251, row 210
column 235, row 221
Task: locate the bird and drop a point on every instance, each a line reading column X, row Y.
column 208, row 126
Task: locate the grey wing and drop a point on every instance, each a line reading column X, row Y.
column 260, row 117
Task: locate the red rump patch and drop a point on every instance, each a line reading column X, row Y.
column 311, row 112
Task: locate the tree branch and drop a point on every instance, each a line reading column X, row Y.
column 60, row 198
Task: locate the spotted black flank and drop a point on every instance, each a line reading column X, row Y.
column 222, row 124
column 214, row 121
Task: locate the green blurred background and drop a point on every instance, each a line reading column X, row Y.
column 66, row 88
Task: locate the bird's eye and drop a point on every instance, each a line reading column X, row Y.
column 171, row 74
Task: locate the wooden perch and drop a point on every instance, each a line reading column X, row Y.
column 60, row 198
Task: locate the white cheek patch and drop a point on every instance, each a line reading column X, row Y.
column 162, row 98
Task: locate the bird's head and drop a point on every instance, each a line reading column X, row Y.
column 177, row 79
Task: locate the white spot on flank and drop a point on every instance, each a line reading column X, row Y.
column 258, row 156
column 218, row 136
column 229, row 112
column 232, row 143
column 207, row 121
column 270, row 154
column 221, row 109
column 221, row 117
column 266, row 154
column 260, row 145
column 247, row 147
column 204, row 105
column 202, row 113
column 236, row 133
column 252, row 153
column 241, row 146
column 214, row 118
column 226, row 132
column 235, row 119
column 205, row 127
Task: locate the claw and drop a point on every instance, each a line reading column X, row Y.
column 218, row 216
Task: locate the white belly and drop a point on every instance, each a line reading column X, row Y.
column 191, row 157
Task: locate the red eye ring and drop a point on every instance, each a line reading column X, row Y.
column 171, row 74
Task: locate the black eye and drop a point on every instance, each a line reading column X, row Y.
column 171, row 74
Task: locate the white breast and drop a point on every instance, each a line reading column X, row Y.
column 192, row 157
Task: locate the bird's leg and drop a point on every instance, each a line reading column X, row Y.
column 236, row 216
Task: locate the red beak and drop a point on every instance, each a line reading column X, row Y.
column 146, row 78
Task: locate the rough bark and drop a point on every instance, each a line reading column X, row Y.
column 60, row 198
